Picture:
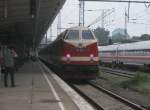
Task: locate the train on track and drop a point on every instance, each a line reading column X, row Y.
column 74, row 53
column 136, row 54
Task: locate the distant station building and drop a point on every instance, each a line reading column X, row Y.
column 120, row 34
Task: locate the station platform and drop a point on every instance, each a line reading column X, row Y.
column 38, row 88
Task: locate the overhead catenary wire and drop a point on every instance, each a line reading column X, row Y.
column 139, row 23
column 125, row 1
column 99, row 18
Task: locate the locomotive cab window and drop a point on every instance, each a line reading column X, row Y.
column 72, row 35
column 86, row 34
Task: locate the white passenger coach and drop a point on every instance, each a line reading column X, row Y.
column 137, row 53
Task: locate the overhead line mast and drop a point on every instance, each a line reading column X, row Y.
column 81, row 13
column 59, row 24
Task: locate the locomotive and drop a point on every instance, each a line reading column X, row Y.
column 74, row 52
column 136, row 54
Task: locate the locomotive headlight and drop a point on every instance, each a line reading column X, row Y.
column 91, row 57
column 68, row 55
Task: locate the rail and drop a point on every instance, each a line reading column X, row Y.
column 98, row 105
column 121, row 99
column 117, row 72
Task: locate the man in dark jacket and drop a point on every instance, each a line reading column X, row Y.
column 9, row 66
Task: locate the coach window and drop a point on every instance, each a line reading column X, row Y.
column 73, row 35
column 141, row 52
column 146, row 52
column 86, row 34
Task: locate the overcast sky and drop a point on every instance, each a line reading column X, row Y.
column 70, row 14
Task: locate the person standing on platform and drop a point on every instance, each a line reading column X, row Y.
column 1, row 61
column 9, row 66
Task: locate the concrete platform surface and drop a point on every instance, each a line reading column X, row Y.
column 38, row 88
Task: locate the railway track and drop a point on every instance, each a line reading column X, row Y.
column 103, row 99
column 117, row 72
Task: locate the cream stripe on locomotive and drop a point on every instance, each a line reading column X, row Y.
column 80, row 59
column 84, row 43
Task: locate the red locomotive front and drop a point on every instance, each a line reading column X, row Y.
column 80, row 52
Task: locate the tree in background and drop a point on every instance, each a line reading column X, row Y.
column 102, row 36
column 145, row 37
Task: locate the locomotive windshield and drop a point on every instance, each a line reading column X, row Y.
column 73, row 35
column 86, row 34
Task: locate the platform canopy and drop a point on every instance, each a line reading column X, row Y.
column 26, row 21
